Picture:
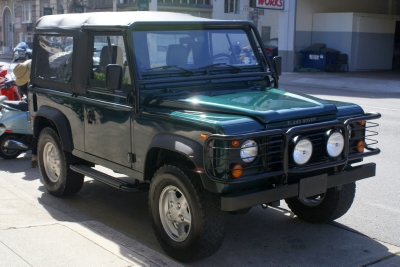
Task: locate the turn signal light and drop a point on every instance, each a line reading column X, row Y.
column 360, row 146
column 203, row 136
column 237, row 171
column 361, row 123
column 235, row 143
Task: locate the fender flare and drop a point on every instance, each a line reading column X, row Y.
column 185, row 146
column 60, row 121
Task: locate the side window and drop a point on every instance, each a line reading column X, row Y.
column 108, row 50
column 54, row 58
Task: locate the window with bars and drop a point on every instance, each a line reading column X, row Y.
column 15, row 9
column 26, row 12
column 231, row 6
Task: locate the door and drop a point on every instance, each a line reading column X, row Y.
column 7, row 30
column 108, row 114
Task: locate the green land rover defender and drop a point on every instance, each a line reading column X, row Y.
column 190, row 110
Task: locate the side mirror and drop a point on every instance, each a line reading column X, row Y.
column 277, row 64
column 113, row 77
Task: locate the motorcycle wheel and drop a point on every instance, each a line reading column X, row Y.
column 6, row 153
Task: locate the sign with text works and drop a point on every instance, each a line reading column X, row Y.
column 270, row 4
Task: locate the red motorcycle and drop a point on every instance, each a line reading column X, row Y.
column 8, row 89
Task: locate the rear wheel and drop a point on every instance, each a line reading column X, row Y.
column 187, row 219
column 54, row 163
column 7, row 153
column 324, row 207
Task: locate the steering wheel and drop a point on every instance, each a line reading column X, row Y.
column 223, row 56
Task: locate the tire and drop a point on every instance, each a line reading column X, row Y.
column 325, row 207
column 54, row 163
column 6, row 153
column 195, row 213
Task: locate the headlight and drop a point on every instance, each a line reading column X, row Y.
column 249, row 151
column 302, row 150
column 335, row 144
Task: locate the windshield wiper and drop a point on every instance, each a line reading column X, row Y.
column 171, row 66
column 222, row 64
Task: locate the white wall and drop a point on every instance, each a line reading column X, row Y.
column 366, row 38
column 306, row 9
column 373, row 41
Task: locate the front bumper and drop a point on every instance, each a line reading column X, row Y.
column 305, row 188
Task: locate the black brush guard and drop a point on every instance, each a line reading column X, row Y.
column 305, row 187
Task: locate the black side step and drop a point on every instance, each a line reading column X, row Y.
column 104, row 178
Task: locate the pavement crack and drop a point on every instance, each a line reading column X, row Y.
column 28, row 226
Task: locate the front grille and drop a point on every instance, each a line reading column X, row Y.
column 274, row 157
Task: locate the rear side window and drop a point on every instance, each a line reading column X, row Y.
column 54, row 58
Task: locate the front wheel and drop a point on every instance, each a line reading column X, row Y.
column 187, row 219
column 7, row 153
column 324, row 207
column 54, row 163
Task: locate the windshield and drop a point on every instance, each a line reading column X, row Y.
column 183, row 50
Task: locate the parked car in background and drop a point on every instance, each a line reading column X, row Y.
column 272, row 47
column 24, row 52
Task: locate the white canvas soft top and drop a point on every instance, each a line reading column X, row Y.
column 112, row 19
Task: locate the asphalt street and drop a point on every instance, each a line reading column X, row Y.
column 368, row 235
column 376, row 210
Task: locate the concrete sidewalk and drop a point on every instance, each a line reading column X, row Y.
column 34, row 234
column 368, row 81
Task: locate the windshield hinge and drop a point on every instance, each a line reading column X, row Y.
column 131, row 158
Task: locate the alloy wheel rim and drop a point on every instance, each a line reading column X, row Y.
column 175, row 213
column 51, row 160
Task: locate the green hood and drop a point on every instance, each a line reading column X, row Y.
column 268, row 106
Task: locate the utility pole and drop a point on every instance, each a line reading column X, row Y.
column 114, row 5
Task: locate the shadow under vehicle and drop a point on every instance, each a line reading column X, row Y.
column 200, row 125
